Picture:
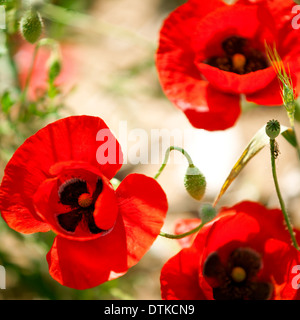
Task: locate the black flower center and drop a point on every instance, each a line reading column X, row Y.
column 239, row 57
column 75, row 194
column 237, row 279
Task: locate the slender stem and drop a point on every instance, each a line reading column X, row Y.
column 27, row 82
column 182, row 235
column 12, row 63
column 282, row 205
column 167, row 154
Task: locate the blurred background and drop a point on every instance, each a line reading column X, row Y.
column 107, row 53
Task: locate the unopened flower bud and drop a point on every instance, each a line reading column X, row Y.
column 54, row 65
column 31, row 26
column 207, row 213
column 194, row 182
column 273, row 129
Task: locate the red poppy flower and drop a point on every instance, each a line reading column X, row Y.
column 245, row 253
column 38, row 80
column 54, row 182
column 210, row 53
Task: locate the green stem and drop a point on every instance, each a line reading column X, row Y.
column 282, row 205
column 12, row 63
column 182, row 235
column 167, row 154
column 27, row 82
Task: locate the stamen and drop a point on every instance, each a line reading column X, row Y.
column 238, row 274
column 238, row 57
column 85, row 200
column 238, row 62
column 70, row 191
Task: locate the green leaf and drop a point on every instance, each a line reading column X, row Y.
column 257, row 143
column 6, row 102
column 289, row 135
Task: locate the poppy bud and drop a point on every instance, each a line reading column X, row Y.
column 54, row 65
column 207, row 213
column 31, row 26
column 273, row 129
column 194, row 182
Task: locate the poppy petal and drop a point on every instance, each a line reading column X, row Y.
column 269, row 96
column 179, row 276
column 211, row 109
column 235, row 83
column 186, row 225
column 49, row 206
column 86, row 264
column 143, row 206
column 72, row 138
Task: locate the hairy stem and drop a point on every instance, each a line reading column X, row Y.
column 167, row 154
column 182, row 235
column 282, row 205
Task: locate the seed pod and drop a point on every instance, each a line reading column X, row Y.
column 273, row 129
column 31, row 26
column 194, row 182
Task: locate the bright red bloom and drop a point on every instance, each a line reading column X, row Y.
column 210, row 53
column 245, row 253
column 54, row 182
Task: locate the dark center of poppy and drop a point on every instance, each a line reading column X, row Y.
column 236, row 280
column 75, row 194
column 239, row 57
column 238, row 274
column 85, row 200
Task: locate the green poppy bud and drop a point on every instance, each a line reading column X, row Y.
column 207, row 213
column 273, row 129
column 31, row 26
column 54, row 65
column 194, row 182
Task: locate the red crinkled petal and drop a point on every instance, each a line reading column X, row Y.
column 235, row 20
column 235, row 83
column 214, row 110
column 280, row 10
column 72, row 138
column 143, row 206
column 279, row 259
column 85, row 264
column 254, row 228
column 250, row 225
column 106, row 208
column 179, row 276
column 186, row 17
column 269, row 96
column 186, row 225
column 48, row 206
